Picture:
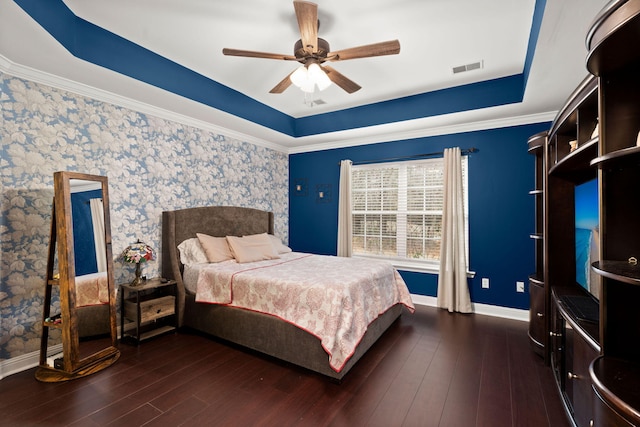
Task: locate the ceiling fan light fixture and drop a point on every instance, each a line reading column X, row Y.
column 307, row 77
column 319, row 76
column 302, row 79
column 300, row 76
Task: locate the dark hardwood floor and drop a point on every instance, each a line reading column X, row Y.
column 431, row 368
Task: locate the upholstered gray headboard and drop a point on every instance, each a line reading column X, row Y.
column 218, row 221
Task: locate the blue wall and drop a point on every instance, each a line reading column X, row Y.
column 501, row 212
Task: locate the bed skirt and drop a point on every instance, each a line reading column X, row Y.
column 274, row 337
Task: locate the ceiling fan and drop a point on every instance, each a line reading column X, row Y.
column 312, row 52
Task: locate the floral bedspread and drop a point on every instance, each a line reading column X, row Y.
column 333, row 298
column 92, row 289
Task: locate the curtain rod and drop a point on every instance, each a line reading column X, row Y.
column 463, row 151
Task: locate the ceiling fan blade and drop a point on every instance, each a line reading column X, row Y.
column 283, row 85
column 307, row 15
column 391, row 47
column 348, row 85
column 253, row 54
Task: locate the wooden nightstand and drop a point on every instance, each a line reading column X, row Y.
column 148, row 310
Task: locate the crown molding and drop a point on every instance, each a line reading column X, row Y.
column 430, row 131
column 81, row 89
column 340, row 139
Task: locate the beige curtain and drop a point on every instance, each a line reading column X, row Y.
column 453, row 290
column 97, row 218
column 345, row 222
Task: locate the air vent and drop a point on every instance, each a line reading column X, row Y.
column 314, row 102
column 468, row 67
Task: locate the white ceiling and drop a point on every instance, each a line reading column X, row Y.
column 434, row 35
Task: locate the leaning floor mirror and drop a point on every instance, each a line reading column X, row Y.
column 79, row 335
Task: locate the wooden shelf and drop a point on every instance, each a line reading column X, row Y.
column 536, row 142
column 611, row 40
column 537, row 278
column 621, row 271
column 576, row 163
column 588, row 88
column 538, row 335
column 130, row 332
column 616, row 381
column 53, row 325
column 618, row 158
column 589, row 331
column 156, row 332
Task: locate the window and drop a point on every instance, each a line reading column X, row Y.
column 397, row 210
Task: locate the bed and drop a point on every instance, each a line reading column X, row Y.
column 270, row 334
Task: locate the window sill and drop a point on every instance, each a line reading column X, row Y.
column 416, row 267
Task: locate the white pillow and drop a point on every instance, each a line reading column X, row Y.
column 216, row 248
column 256, row 247
column 191, row 252
column 278, row 245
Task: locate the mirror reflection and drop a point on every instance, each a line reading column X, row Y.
column 88, row 227
column 90, row 261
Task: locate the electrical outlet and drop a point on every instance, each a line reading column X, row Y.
column 519, row 286
column 485, row 283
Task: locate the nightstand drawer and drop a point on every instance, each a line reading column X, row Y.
column 151, row 309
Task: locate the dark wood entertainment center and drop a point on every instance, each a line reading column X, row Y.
column 591, row 340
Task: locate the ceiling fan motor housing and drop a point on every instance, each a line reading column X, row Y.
column 302, row 55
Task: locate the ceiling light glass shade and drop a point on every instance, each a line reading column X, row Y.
column 306, row 78
column 300, row 76
column 318, row 76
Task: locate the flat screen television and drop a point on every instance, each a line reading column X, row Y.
column 587, row 235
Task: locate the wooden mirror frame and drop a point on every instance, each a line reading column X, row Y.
column 74, row 364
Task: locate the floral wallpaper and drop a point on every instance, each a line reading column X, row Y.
column 152, row 165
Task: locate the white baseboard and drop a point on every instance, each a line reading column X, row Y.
column 24, row 362
column 486, row 309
